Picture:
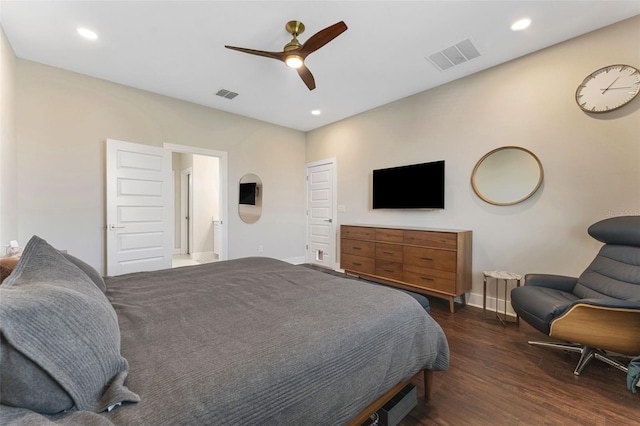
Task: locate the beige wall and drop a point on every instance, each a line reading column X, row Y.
column 591, row 162
column 63, row 120
column 8, row 147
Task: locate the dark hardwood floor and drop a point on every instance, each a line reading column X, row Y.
column 496, row 378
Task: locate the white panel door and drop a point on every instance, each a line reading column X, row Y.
column 139, row 208
column 321, row 234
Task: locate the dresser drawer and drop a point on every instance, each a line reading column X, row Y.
column 431, row 239
column 392, row 270
column 358, row 248
column 390, row 252
column 389, row 235
column 358, row 232
column 442, row 260
column 430, row 279
column 350, row 262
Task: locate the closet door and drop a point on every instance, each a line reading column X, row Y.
column 139, row 208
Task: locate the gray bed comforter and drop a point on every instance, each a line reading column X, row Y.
column 258, row 341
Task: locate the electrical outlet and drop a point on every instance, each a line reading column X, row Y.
column 260, row 248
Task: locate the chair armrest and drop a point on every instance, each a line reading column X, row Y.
column 558, row 282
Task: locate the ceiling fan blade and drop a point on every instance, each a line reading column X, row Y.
column 307, row 77
column 321, row 38
column 274, row 55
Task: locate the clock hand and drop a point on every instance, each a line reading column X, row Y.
column 612, row 88
column 604, row 90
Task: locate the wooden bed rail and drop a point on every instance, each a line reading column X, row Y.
column 378, row 403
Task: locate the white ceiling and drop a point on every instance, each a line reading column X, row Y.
column 176, row 48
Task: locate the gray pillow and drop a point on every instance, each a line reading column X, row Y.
column 17, row 388
column 89, row 270
column 54, row 315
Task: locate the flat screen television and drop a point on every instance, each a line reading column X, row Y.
column 417, row 186
column 248, row 193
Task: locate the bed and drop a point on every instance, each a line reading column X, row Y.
column 239, row 342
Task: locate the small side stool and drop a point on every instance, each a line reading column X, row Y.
column 497, row 276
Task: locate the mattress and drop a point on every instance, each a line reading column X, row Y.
column 259, row 341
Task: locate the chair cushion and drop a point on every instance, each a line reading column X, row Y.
column 539, row 306
column 614, row 273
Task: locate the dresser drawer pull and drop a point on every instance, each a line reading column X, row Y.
column 388, row 270
column 426, row 258
column 426, row 278
column 356, row 263
column 357, row 248
column 387, row 252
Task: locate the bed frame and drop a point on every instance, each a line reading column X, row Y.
column 378, row 403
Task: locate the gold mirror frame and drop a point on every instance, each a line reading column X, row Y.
column 477, row 186
column 251, row 213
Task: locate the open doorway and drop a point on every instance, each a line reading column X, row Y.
column 199, row 205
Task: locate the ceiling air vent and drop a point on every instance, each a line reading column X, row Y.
column 454, row 55
column 226, row 94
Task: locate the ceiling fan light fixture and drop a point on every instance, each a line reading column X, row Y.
column 87, row 33
column 294, row 54
column 294, row 61
column 521, row 24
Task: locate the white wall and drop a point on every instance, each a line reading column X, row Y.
column 8, row 147
column 63, row 120
column 591, row 162
column 205, row 204
column 176, row 168
column 205, row 173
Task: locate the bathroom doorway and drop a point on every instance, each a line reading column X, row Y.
column 199, row 205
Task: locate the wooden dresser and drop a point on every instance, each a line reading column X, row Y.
column 431, row 261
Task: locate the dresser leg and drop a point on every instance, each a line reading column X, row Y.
column 451, row 305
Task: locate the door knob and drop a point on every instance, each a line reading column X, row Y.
column 328, row 220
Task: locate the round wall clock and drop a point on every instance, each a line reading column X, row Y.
column 608, row 88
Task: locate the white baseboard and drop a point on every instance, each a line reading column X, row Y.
column 474, row 299
column 295, row 260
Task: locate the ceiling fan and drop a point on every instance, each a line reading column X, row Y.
column 295, row 53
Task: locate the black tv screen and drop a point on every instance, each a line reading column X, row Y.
column 248, row 193
column 417, row 186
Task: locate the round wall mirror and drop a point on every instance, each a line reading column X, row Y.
column 250, row 199
column 507, row 176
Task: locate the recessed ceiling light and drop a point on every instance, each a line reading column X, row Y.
column 521, row 24
column 87, row 33
column 315, row 112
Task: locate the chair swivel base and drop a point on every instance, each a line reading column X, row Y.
column 587, row 354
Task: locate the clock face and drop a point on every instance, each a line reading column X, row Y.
column 608, row 88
